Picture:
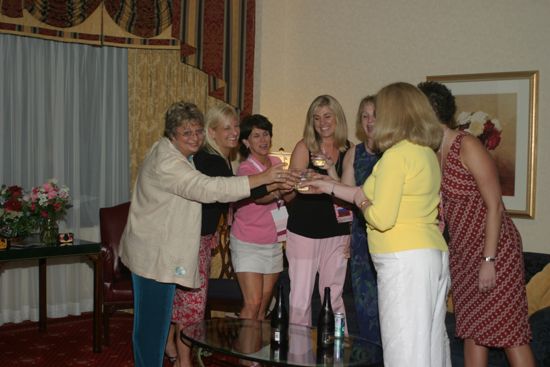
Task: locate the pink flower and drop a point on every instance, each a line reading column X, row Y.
column 47, row 187
column 50, row 200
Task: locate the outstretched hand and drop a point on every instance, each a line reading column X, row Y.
column 276, row 173
column 317, row 184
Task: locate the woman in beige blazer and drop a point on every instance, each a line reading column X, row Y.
column 161, row 240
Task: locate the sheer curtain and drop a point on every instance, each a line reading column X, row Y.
column 63, row 115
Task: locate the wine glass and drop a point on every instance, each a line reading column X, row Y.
column 304, row 174
column 318, row 160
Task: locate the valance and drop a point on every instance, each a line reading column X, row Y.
column 215, row 36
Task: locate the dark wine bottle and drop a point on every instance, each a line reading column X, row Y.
column 279, row 320
column 279, row 351
column 325, row 356
column 325, row 323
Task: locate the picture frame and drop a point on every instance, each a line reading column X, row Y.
column 501, row 110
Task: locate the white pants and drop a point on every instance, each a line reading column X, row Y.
column 412, row 291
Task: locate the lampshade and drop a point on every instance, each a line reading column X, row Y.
column 283, row 156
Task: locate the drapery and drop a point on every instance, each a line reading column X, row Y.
column 63, row 115
column 215, row 36
column 155, row 80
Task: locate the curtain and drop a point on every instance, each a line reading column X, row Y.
column 156, row 79
column 63, row 115
column 215, row 36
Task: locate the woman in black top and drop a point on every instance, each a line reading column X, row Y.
column 317, row 241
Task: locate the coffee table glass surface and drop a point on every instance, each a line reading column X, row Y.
column 251, row 340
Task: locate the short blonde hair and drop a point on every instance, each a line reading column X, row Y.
column 359, row 131
column 311, row 138
column 214, row 118
column 404, row 112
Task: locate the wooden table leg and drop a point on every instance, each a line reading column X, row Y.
column 98, row 295
column 42, row 295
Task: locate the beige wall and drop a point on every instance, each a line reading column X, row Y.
column 351, row 48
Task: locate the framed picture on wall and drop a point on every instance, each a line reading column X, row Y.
column 501, row 110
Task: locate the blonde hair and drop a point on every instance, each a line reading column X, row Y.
column 214, row 117
column 311, row 138
column 404, row 112
column 359, row 131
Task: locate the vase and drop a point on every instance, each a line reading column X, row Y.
column 49, row 232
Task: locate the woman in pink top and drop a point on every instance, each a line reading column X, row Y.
column 256, row 249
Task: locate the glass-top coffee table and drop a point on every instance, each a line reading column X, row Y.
column 250, row 340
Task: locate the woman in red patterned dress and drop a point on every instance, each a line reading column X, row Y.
column 485, row 250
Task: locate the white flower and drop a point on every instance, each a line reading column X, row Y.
column 479, row 117
column 497, row 124
column 476, row 128
column 476, row 122
column 463, row 118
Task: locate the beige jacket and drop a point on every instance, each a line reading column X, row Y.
column 162, row 236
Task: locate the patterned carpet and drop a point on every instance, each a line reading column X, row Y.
column 68, row 343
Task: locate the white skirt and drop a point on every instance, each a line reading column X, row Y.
column 254, row 258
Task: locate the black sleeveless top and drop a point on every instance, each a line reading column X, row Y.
column 313, row 216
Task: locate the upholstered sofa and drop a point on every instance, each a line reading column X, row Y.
column 537, row 276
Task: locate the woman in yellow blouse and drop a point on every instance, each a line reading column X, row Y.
column 400, row 202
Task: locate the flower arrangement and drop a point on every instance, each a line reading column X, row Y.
column 16, row 219
column 50, row 201
column 479, row 124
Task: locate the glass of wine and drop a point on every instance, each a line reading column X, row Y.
column 304, row 174
column 318, row 160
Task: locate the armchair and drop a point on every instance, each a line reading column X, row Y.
column 117, row 281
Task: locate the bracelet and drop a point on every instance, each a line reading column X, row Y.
column 488, row 258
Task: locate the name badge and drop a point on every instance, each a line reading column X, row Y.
column 280, row 218
column 343, row 215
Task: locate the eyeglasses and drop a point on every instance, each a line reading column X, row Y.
column 188, row 134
